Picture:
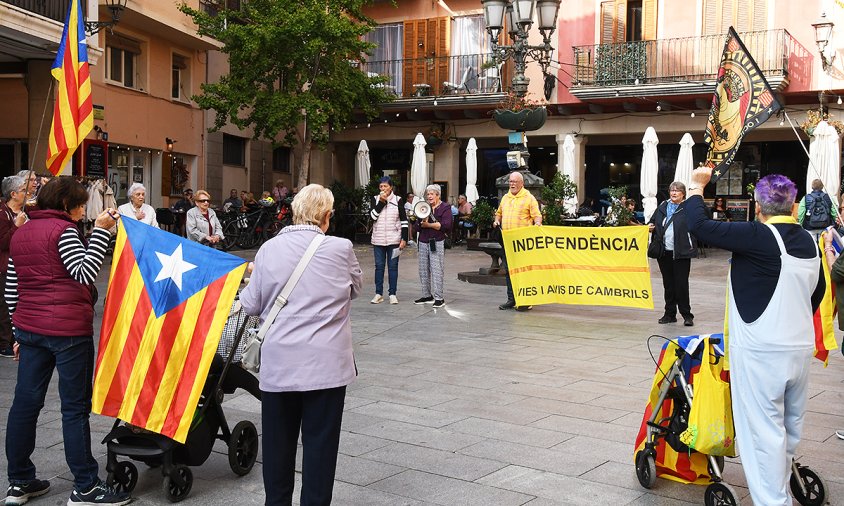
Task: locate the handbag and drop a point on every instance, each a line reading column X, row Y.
column 656, row 248
column 711, row 429
column 251, row 360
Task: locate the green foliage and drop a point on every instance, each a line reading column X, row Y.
column 355, row 199
column 554, row 196
column 292, row 68
column 483, row 214
column 618, row 215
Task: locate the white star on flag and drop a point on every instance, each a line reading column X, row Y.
column 173, row 266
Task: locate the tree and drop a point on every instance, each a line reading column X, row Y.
column 293, row 70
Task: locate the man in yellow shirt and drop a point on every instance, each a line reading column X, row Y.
column 518, row 208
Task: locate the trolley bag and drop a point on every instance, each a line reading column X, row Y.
column 711, row 429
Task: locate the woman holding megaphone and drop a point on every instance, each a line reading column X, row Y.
column 434, row 230
column 389, row 232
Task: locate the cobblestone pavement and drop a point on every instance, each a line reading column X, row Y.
column 470, row 405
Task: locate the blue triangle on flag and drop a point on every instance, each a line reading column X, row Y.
column 174, row 268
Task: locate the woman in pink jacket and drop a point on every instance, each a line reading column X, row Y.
column 306, row 358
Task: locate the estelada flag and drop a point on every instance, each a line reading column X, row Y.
column 824, row 317
column 167, row 302
column 742, row 101
column 73, row 113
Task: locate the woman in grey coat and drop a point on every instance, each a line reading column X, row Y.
column 306, row 358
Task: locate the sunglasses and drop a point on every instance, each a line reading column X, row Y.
column 203, row 200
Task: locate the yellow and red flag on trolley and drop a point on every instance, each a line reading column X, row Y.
column 743, row 100
column 824, row 318
column 73, row 114
column 168, row 300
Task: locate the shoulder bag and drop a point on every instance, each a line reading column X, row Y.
column 251, row 360
column 657, row 246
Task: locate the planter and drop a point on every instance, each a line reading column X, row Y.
column 432, row 143
column 524, row 120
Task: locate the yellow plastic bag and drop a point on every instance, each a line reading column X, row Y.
column 710, row 429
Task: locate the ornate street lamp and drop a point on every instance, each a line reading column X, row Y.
column 116, row 7
column 519, row 15
column 823, row 32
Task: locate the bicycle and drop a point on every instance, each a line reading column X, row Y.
column 253, row 228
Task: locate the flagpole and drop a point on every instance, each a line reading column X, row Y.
column 41, row 126
column 811, row 164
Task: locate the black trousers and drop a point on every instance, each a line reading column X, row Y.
column 319, row 414
column 675, row 284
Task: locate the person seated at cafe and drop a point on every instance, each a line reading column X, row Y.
column 464, row 218
column 631, row 206
column 234, row 202
column 180, row 208
column 587, row 208
column 249, row 203
column 719, row 210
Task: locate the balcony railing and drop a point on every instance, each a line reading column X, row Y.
column 437, row 76
column 52, row 9
column 676, row 60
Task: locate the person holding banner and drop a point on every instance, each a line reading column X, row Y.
column 49, row 283
column 668, row 224
column 775, row 285
column 518, row 208
column 432, row 234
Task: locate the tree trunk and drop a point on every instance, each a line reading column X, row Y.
column 305, row 167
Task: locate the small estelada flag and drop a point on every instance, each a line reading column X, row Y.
column 168, row 300
column 742, row 101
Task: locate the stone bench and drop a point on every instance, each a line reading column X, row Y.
column 495, row 251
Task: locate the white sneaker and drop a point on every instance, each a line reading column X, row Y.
column 378, row 299
column 394, row 299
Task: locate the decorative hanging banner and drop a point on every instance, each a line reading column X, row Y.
column 742, row 101
column 580, row 265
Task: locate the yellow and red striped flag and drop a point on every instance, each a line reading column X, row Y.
column 73, row 114
column 824, row 317
column 168, row 300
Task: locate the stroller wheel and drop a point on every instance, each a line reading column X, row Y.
column 124, row 478
column 177, row 485
column 646, row 468
column 815, row 488
column 720, row 494
column 243, row 447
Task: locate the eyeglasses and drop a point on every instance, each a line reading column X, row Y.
column 203, row 200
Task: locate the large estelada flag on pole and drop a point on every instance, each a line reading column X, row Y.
column 167, row 302
column 73, row 114
column 742, row 101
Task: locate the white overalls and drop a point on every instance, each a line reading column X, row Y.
column 769, row 375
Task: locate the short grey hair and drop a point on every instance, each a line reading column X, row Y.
column 134, row 187
column 434, row 188
column 27, row 173
column 310, row 205
column 677, row 185
column 11, row 184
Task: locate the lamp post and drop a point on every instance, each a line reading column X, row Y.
column 116, row 7
column 823, row 33
column 519, row 16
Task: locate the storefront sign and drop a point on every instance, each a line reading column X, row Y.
column 95, row 158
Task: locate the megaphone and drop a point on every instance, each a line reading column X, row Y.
column 422, row 209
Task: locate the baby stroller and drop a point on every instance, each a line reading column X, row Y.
column 209, row 424
column 667, row 417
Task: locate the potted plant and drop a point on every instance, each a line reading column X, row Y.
column 520, row 113
column 434, row 137
column 554, row 197
column 619, row 215
column 483, row 214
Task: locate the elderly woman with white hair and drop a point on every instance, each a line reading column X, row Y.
column 432, row 234
column 306, row 358
column 136, row 208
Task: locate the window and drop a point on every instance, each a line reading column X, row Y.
column 387, row 54
column 628, row 20
column 180, row 85
column 281, row 160
column 234, row 150
column 743, row 15
column 634, row 20
column 470, row 47
column 122, row 64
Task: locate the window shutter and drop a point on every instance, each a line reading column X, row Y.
column 742, row 23
column 439, row 33
column 710, row 17
column 759, row 20
column 119, row 42
column 607, row 21
column 727, row 10
column 409, row 54
column 180, row 62
column 649, row 18
column 620, row 20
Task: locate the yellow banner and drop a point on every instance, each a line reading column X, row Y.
column 580, row 265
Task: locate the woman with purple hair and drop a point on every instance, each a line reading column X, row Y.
column 775, row 286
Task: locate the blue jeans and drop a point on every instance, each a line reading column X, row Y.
column 383, row 255
column 73, row 358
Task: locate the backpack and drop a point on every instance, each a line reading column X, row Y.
column 817, row 213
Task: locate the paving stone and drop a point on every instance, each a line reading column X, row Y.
column 443, row 463
column 513, row 433
column 402, row 432
column 410, row 414
column 446, row 491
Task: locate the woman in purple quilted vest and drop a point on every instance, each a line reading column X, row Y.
column 49, row 293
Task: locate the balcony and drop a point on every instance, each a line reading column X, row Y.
column 463, row 79
column 50, row 9
column 681, row 66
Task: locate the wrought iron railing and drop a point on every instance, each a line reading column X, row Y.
column 436, row 76
column 673, row 60
column 52, row 9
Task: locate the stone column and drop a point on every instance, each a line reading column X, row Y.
column 447, row 168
